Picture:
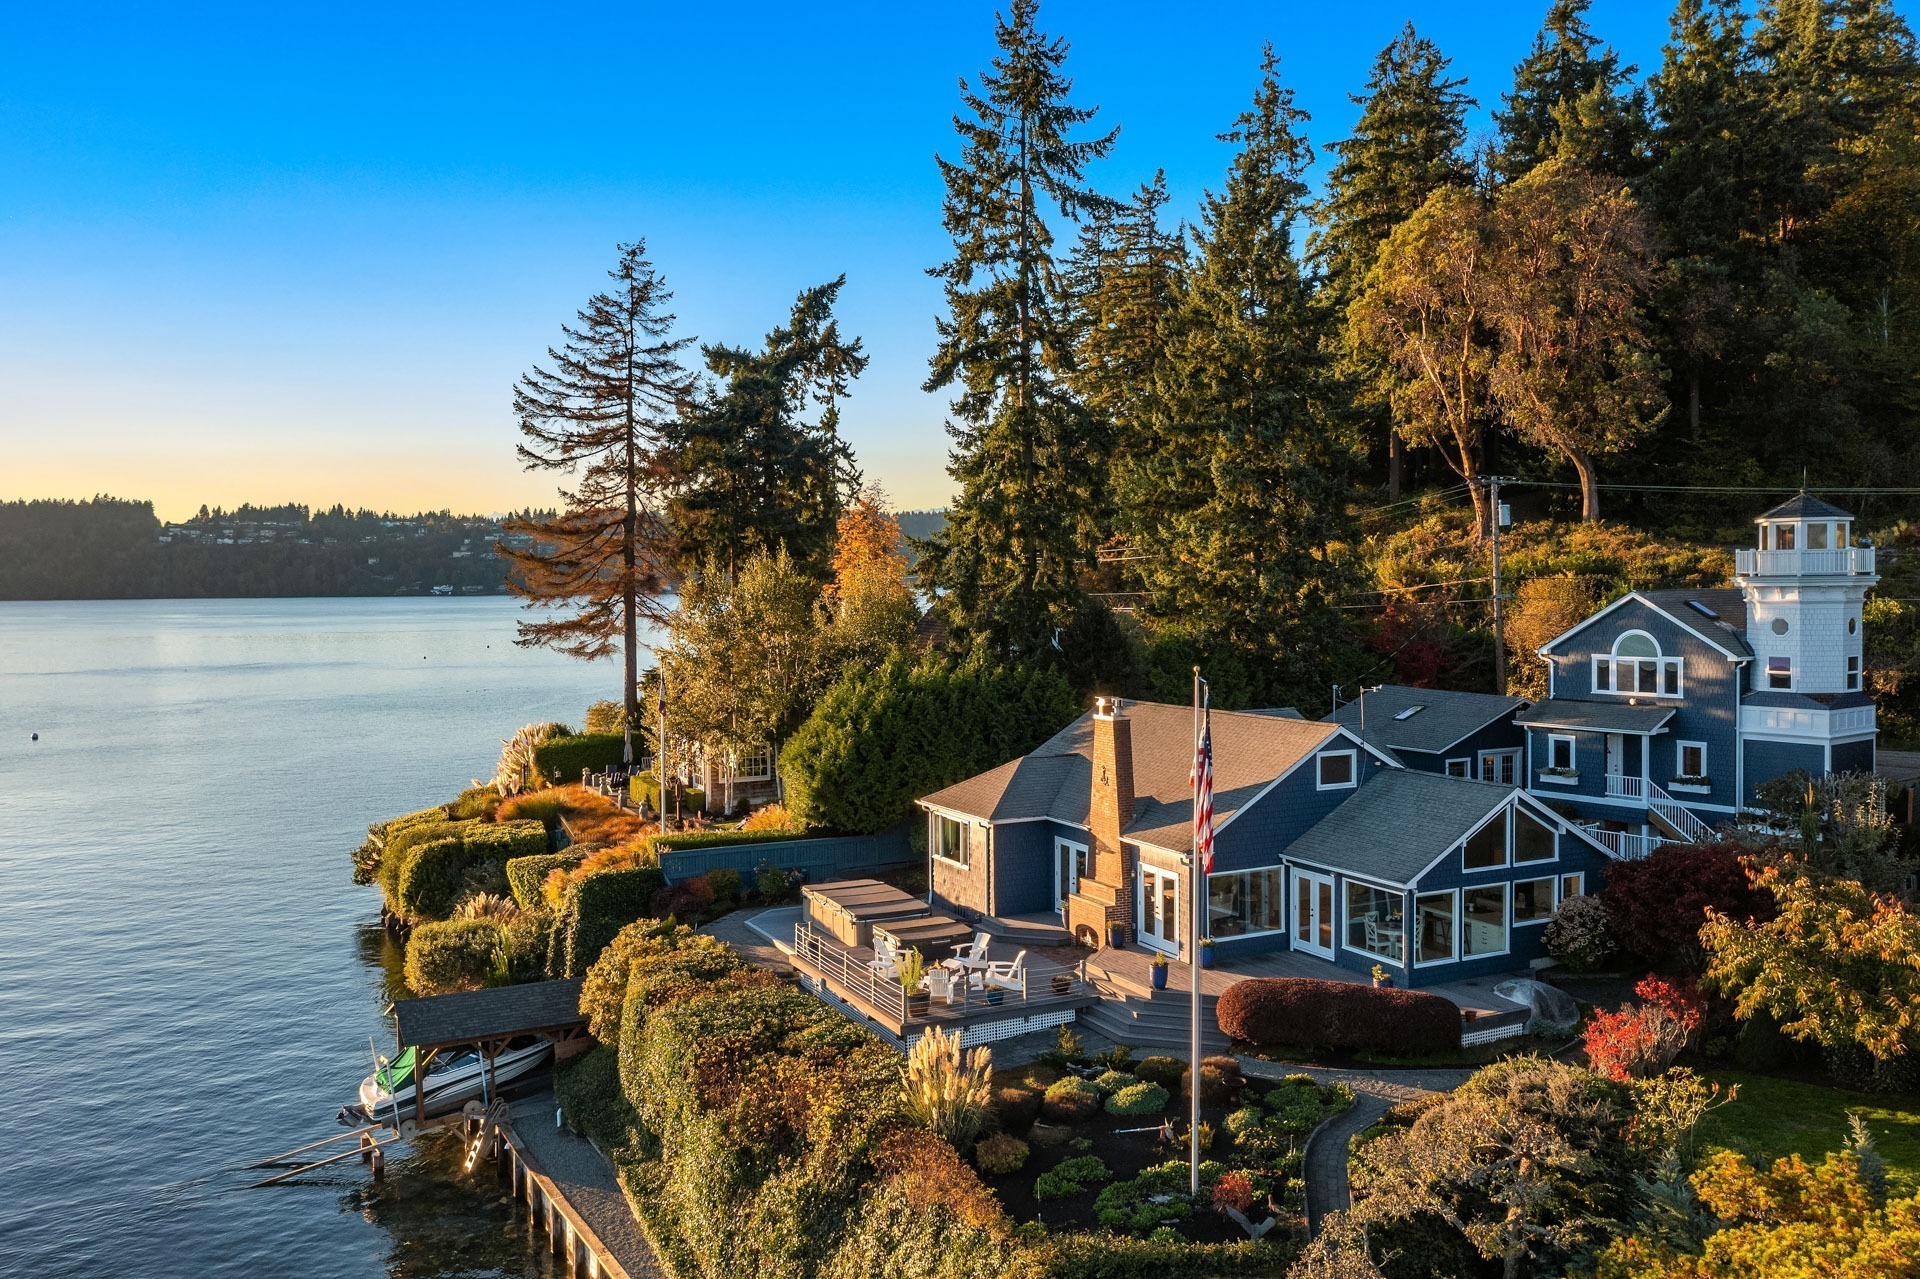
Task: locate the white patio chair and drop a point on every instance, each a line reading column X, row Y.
column 941, row 985
column 885, row 958
column 975, row 951
column 1008, row 975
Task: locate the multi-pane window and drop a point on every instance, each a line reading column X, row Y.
column 1245, row 903
column 1636, row 666
column 1376, row 923
column 1779, row 672
column 1853, row 674
column 1532, row 900
column 1499, row 766
column 950, row 840
column 1460, row 768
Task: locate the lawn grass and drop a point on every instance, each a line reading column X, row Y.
column 1776, row 1117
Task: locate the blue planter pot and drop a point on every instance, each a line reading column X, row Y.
column 1159, row 972
column 1206, row 956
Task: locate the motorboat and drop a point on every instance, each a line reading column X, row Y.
column 453, row 1078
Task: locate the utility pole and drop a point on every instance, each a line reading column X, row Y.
column 1499, row 634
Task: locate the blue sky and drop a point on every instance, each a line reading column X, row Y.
column 279, row 253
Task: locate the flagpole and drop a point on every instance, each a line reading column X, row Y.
column 1193, row 949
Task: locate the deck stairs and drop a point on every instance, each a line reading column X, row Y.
column 1131, row 1012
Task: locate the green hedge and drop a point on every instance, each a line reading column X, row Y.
column 588, row 1090
column 453, row 954
column 883, row 737
column 488, row 842
column 431, row 882
column 525, row 875
column 721, row 838
column 642, row 789
column 598, row 907
column 561, row 759
column 399, row 846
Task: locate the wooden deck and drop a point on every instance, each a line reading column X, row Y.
column 1055, row 990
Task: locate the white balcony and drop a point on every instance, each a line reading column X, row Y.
column 1620, row 786
column 1844, row 561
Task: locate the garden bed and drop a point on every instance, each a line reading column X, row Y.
column 1088, row 1172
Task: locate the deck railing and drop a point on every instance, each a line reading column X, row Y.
column 851, row 975
column 1677, row 815
column 1626, row 845
column 1621, row 786
column 1842, row 561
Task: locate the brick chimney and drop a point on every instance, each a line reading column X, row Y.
column 1105, row 897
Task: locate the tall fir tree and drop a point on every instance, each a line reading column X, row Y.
column 602, row 411
column 1410, row 139
column 1571, row 99
column 1252, row 461
column 1028, row 457
column 759, row 464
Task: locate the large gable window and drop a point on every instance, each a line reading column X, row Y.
column 950, row 840
column 1376, row 922
column 1243, row 904
column 1487, row 847
column 1636, row 667
column 1532, row 839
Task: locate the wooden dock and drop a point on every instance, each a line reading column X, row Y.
column 573, row 1193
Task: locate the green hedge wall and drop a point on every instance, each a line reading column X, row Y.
column 453, row 954
column 488, row 842
column 560, row 759
column 883, row 737
column 644, row 790
column 525, row 875
column 598, row 907
column 431, row 882
column 720, row 838
column 399, row 847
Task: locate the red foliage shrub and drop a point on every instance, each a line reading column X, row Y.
column 1635, row 1043
column 1337, row 1014
column 1659, row 902
column 930, row 1173
column 1016, row 1107
column 1233, row 1190
column 683, row 900
column 1681, row 998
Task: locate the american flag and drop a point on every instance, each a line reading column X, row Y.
column 1203, row 790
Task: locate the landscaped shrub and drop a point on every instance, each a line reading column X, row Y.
column 394, row 825
column 525, row 939
column 947, row 1089
column 722, row 838
column 598, row 907
column 400, row 846
column 431, row 882
column 999, row 1154
column 503, row 841
column 456, row 954
column 1307, row 1012
column 1155, row 1198
column 771, row 817
column 1015, row 1107
column 476, row 803
column 1165, row 1071
column 1637, row 1042
column 562, row 759
column 1070, row 1177
column 1657, row 903
column 1245, row 1120
column 642, row 789
column 588, row 1090
column 1580, row 934
column 1138, row 1099
column 725, row 883
column 1220, row 1080
column 1070, row 1100
column 542, row 806
column 688, row 899
column 526, row 875
column 1112, row 1081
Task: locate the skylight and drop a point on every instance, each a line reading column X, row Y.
column 1411, row 711
column 1702, row 609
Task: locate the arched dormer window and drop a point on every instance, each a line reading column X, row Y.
column 1635, row 667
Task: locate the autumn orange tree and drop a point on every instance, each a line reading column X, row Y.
column 872, row 607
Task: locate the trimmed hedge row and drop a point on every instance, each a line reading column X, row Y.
column 720, row 838
column 597, row 908
column 642, row 789
column 526, row 875
column 453, row 954
column 562, row 759
column 487, row 842
column 431, row 880
column 1308, row 1013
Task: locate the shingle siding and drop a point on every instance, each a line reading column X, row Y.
column 1023, row 868
column 1504, row 735
column 1853, row 757
column 1767, row 760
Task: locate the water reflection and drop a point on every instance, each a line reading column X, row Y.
column 442, row 1222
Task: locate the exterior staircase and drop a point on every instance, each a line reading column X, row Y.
column 1675, row 823
column 1133, row 1013
column 1666, row 812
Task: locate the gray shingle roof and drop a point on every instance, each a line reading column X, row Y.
column 1444, row 717
column 1250, row 749
column 1607, row 717
column 1805, row 506
column 1728, row 626
column 498, row 1012
column 1806, row 701
column 1397, row 823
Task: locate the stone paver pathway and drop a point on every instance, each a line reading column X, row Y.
column 1373, row 1091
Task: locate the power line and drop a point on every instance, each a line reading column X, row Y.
column 1715, row 488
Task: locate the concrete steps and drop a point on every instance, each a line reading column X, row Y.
column 1134, row 1014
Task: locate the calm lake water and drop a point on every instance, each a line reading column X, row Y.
column 188, row 979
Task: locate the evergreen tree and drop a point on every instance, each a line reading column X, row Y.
column 602, row 411
column 1126, row 277
column 1568, row 84
column 1251, row 464
column 752, row 472
column 1410, row 139
column 1027, row 456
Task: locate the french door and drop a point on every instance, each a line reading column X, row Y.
column 1160, row 909
column 1069, row 866
column 1313, row 913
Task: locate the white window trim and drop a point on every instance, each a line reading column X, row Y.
column 1513, row 826
column 1573, row 757
column 1766, row 673
column 1854, row 673
column 1611, row 660
column 1466, row 768
column 966, row 841
column 1142, row 871
column 1553, row 900
column 1509, row 753
column 1680, row 759
column 1346, row 919
column 1414, row 924
column 1560, row 888
column 1507, row 931
column 1060, row 841
column 1506, row 845
column 1353, row 770
column 1255, row 870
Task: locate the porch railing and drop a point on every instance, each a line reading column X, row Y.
column 853, row 977
column 1675, row 814
column 1626, row 845
column 1847, row 561
column 850, row 974
column 1621, row 786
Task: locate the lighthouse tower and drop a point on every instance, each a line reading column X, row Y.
column 1806, row 584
